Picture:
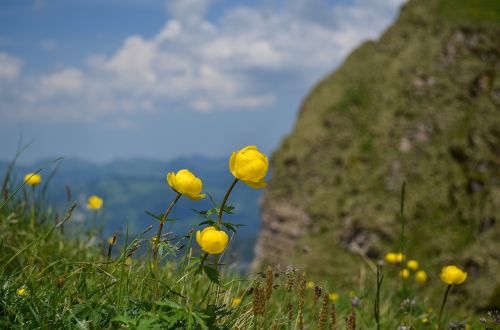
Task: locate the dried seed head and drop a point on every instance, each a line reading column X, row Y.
column 333, row 317
column 317, row 293
column 269, row 282
column 351, row 321
column 302, row 291
column 258, row 300
column 323, row 313
column 290, row 278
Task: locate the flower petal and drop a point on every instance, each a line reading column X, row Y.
column 256, row 185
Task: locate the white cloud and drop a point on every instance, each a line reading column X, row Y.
column 242, row 60
column 10, row 66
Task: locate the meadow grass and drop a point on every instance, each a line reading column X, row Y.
column 56, row 274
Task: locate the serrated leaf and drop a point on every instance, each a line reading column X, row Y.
column 212, row 273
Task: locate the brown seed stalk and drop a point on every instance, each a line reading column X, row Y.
column 324, row 312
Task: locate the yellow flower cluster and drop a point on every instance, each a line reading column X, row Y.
column 411, row 266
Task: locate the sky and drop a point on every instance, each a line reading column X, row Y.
column 102, row 80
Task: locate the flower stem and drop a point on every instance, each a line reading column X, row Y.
column 442, row 306
column 221, row 209
column 156, row 246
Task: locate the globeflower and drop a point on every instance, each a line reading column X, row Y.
column 22, row 292
column 333, row 296
column 421, row 276
column 33, row 179
column 394, row 258
column 94, row 202
column 250, row 166
column 235, row 302
column 452, row 275
column 405, row 273
column 412, row 264
column 186, row 183
column 211, row 240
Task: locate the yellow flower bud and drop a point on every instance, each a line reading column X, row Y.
column 334, row 296
column 250, row 166
column 211, row 240
column 33, row 179
column 421, row 276
column 235, row 302
column 94, row 202
column 310, row 285
column 453, row 275
column 412, row 264
column 22, row 292
column 186, row 183
column 405, row 273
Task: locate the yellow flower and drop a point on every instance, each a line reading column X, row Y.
column 211, row 240
column 33, row 179
column 405, row 273
column 235, row 302
column 400, row 257
column 310, row 285
column 421, row 276
column 186, row 183
column 94, row 202
column 425, row 320
column 391, row 257
column 250, row 166
column 111, row 240
column 412, row 264
column 453, row 275
column 22, row 292
column 334, row 296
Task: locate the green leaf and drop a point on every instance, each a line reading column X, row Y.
column 212, row 274
column 208, row 222
column 159, row 217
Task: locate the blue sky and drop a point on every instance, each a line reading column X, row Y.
column 160, row 79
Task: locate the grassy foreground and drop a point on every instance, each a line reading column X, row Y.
column 57, row 273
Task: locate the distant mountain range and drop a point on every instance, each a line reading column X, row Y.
column 132, row 186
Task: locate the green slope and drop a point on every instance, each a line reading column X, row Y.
column 420, row 105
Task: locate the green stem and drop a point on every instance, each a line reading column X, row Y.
column 219, row 217
column 402, row 218
column 33, row 205
column 442, row 306
column 156, row 247
column 221, row 209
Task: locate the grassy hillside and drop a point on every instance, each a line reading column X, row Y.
column 52, row 279
column 419, row 105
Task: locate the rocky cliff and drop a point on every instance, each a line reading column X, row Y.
column 420, row 105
